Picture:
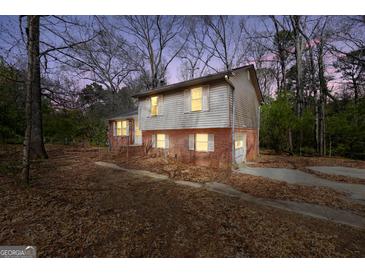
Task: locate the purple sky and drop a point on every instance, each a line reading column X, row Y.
column 173, row 75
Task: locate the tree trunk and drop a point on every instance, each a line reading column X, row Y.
column 299, row 66
column 290, row 138
column 33, row 37
column 322, row 100
column 299, row 77
column 37, row 148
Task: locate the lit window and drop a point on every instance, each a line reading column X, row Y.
column 124, row 128
column 154, row 105
column 196, row 99
column 201, row 142
column 119, row 128
column 160, row 140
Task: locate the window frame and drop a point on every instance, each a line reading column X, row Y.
column 121, row 128
column 154, row 107
column 194, row 99
column 163, row 141
column 196, row 142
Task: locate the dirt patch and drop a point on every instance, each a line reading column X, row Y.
column 77, row 209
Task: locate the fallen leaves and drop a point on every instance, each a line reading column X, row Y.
column 90, row 211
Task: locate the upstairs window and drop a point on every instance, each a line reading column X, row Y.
column 154, row 105
column 197, row 99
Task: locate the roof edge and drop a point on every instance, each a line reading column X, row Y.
column 191, row 82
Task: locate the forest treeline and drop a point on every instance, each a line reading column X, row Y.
column 74, row 72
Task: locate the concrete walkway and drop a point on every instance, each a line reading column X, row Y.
column 298, row 177
column 340, row 170
column 316, row 211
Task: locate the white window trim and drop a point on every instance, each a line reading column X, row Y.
column 201, row 99
column 205, row 101
column 121, row 129
column 192, row 142
column 166, row 141
column 157, row 106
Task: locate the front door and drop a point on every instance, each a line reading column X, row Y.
column 240, row 147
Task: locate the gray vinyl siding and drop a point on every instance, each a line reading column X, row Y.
column 246, row 102
column 173, row 111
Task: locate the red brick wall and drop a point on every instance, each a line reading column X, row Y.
column 179, row 146
column 117, row 142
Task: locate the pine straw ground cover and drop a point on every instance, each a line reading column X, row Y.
column 253, row 185
column 331, row 177
column 266, row 159
column 76, row 209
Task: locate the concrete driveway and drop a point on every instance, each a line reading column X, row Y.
column 298, row 177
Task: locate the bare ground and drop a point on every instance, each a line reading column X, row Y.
column 76, row 209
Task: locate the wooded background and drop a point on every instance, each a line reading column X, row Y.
column 73, row 72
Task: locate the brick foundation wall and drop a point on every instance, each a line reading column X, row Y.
column 116, row 143
column 179, row 146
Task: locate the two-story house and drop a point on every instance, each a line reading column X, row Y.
column 212, row 120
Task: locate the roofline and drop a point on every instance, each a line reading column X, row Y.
column 124, row 116
column 211, row 77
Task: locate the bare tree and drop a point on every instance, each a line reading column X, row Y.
column 225, row 36
column 107, row 60
column 195, row 59
column 271, row 46
column 296, row 22
column 58, row 29
column 157, row 41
